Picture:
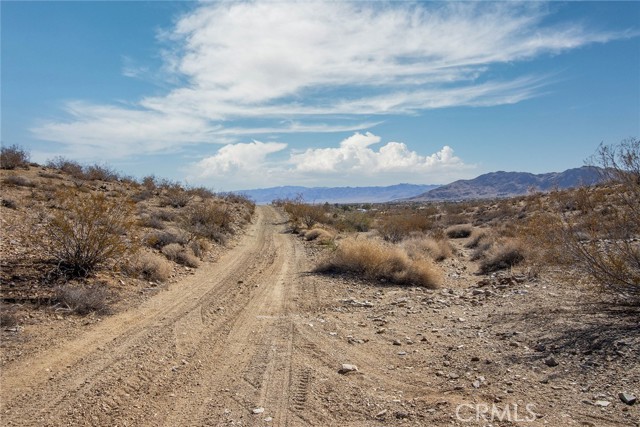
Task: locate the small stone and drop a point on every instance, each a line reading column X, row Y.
column 381, row 331
column 476, row 384
column 628, row 398
column 401, row 415
column 347, row 368
column 454, row 376
column 551, row 361
column 397, row 342
column 402, row 353
column 475, row 359
column 602, row 403
column 540, row 347
column 381, row 413
column 258, row 410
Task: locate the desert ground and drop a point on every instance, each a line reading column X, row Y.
column 255, row 336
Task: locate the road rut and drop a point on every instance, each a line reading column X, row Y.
column 211, row 348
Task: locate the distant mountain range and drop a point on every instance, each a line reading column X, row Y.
column 338, row 194
column 490, row 185
column 507, row 184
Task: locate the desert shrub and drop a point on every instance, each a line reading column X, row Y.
column 150, row 267
column 436, row 249
column 175, row 195
column 459, row 231
column 199, row 247
column 152, row 221
column 165, row 215
column 83, row 300
column 239, row 198
column 13, row 157
column 377, row 261
column 503, row 256
column 477, row 237
column 18, row 181
column 98, row 172
column 481, row 250
column 142, row 195
column 159, row 239
column 9, row 203
column 71, row 167
column 596, row 229
column 354, row 221
column 149, row 182
column 86, row 232
column 301, row 213
column 394, row 228
column 208, row 219
column 8, row 317
column 202, row 192
column 181, row 255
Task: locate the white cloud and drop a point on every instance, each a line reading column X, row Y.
column 241, row 157
column 311, row 61
column 355, row 155
column 355, row 161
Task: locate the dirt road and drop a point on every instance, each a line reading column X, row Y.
column 208, row 351
column 254, row 340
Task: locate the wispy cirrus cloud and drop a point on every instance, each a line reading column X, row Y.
column 299, row 64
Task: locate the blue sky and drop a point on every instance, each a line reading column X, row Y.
column 238, row 95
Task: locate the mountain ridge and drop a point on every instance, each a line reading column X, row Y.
column 367, row 194
column 507, row 184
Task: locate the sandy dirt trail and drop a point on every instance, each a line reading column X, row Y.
column 208, row 351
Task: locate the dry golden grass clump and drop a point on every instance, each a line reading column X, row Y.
column 477, row 238
column 502, row 255
column 378, row 261
column 150, row 267
column 436, row 249
column 319, row 235
column 82, row 299
column 181, row 255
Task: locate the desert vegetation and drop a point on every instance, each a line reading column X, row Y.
column 591, row 231
column 378, row 261
column 72, row 232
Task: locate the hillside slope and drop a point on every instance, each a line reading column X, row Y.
column 507, row 184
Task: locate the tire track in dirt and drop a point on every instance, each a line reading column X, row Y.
column 155, row 364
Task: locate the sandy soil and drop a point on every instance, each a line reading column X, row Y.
column 255, row 339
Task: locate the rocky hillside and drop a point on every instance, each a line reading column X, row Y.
column 507, row 184
column 71, row 234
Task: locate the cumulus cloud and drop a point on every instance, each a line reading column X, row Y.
column 231, row 62
column 355, row 155
column 355, row 161
column 241, row 157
